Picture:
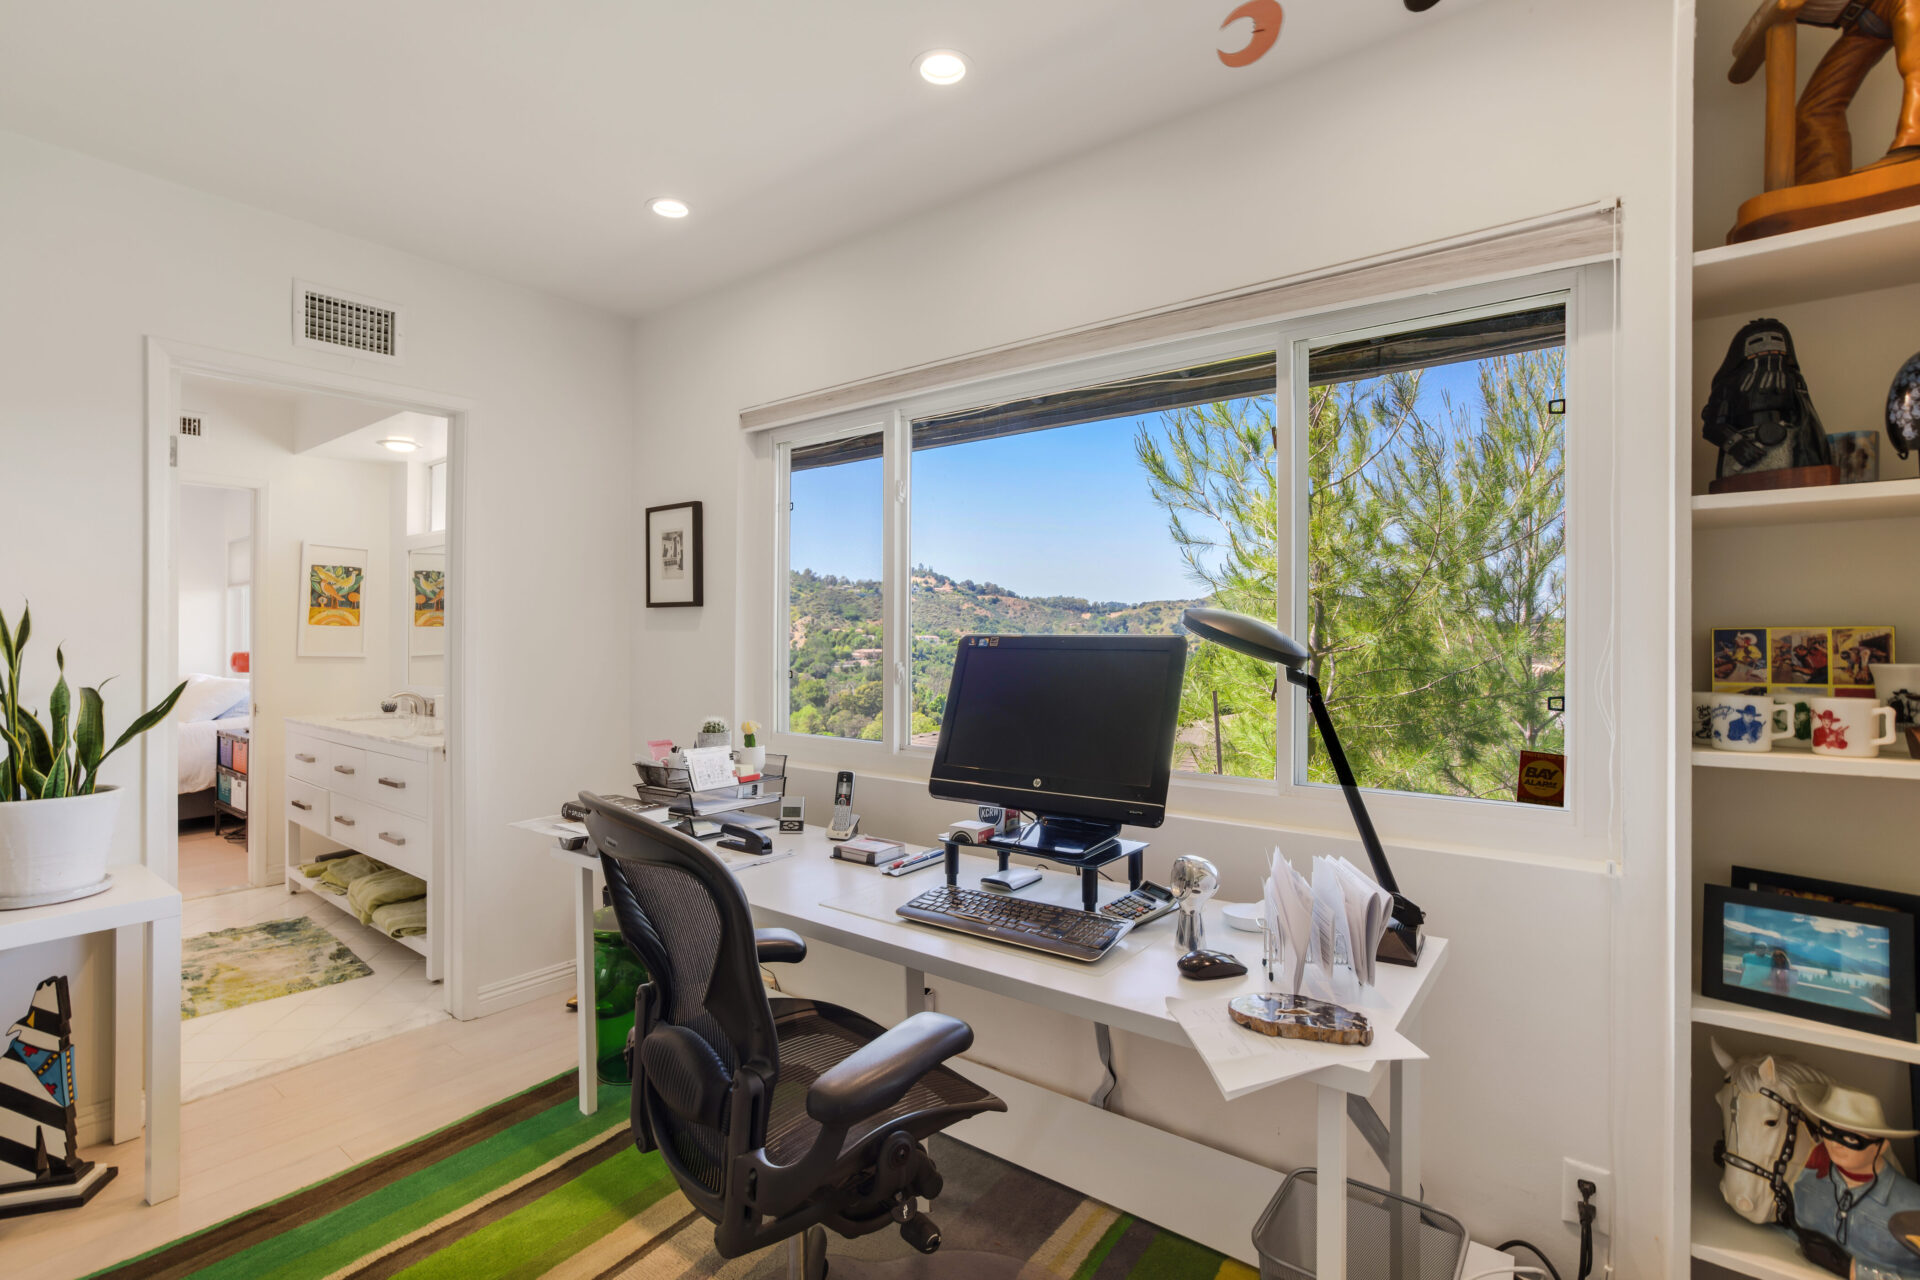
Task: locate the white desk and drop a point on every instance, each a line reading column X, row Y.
column 1216, row 1198
column 143, row 911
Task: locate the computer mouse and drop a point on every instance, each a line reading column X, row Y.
column 1205, row 966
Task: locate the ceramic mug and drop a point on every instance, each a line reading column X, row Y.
column 1897, row 685
column 1844, row 727
column 1702, row 719
column 1749, row 721
column 1799, row 706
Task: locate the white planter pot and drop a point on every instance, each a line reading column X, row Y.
column 721, row 739
column 55, row 850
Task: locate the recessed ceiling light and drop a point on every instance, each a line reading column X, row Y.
column 942, row 66
column 668, row 207
column 401, row 444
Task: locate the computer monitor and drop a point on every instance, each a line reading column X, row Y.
column 1077, row 729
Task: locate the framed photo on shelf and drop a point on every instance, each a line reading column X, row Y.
column 676, row 557
column 1852, row 895
column 1834, row 962
column 332, row 594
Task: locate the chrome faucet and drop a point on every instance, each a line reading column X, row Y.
column 413, row 703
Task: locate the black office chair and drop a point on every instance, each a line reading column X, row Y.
column 777, row 1118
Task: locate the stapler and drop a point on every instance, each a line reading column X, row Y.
column 743, row 839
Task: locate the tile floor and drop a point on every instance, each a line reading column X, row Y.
column 209, row 863
column 219, row 1050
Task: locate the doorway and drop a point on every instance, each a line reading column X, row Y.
column 352, row 497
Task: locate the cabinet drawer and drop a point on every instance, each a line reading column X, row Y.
column 397, row 839
column 307, row 805
column 308, row 759
column 346, row 770
column 396, row 782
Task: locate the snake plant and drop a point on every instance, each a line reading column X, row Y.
column 62, row 758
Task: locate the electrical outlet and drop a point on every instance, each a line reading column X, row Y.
column 1571, row 1173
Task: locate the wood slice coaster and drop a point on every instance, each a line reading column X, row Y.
column 1300, row 1018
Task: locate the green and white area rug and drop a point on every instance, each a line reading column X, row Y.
column 531, row 1188
column 232, row 967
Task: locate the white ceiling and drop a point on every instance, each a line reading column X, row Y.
column 337, row 426
column 524, row 140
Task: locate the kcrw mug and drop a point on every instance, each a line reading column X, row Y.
column 1749, row 721
column 1845, row 727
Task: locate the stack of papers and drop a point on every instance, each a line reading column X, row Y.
column 1335, row 923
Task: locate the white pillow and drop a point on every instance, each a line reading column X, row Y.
column 209, row 697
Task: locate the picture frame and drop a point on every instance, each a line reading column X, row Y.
column 1811, row 887
column 332, row 598
column 1833, row 962
column 676, row 556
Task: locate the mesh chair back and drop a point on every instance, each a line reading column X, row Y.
column 682, row 911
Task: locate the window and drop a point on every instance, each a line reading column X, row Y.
column 1436, row 574
column 1098, row 510
column 836, row 629
column 1399, row 486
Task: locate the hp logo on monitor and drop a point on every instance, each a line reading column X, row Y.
column 1037, row 781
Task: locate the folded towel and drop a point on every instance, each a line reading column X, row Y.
column 402, row 919
column 312, row 870
column 342, row 872
column 369, row 893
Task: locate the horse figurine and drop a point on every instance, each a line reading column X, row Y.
column 1767, row 1139
column 36, row 1100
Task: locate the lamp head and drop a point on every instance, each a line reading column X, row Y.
column 1238, row 632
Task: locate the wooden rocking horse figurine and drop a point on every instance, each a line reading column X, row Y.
column 40, row 1164
column 1810, row 178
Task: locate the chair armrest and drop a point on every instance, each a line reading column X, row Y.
column 779, row 946
column 879, row 1074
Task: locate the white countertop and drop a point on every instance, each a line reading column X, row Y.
column 394, row 730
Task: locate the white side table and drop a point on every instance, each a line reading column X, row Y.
column 143, row 912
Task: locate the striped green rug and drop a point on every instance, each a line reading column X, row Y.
column 531, row 1188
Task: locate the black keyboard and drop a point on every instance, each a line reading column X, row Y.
column 1058, row 931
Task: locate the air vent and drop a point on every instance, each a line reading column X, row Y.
column 189, row 426
column 330, row 320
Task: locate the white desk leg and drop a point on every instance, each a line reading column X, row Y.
column 916, row 992
column 1403, row 1137
column 583, row 908
column 129, row 1031
column 163, row 1059
column 1330, row 1160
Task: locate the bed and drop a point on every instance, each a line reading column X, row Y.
column 210, row 705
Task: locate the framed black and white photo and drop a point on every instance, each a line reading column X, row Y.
column 675, row 557
column 1835, row 962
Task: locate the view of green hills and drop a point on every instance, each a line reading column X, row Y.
column 836, row 644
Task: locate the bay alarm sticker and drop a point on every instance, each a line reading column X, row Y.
column 1543, row 779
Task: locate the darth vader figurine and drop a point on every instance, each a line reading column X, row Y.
column 1759, row 413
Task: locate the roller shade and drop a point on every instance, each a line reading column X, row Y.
column 1479, row 339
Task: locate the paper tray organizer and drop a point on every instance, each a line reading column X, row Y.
column 1382, row 1229
column 674, row 788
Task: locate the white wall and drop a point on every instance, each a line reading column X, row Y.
column 96, row 258
column 1549, row 1031
column 209, row 520
column 249, row 435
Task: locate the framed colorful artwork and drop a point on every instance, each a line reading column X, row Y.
column 675, row 557
column 1801, row 655
column 1794, row 886
column 1739, row 657
column 332, row 598
column 1841, row 963
column 1857, row 648
column 427, row 602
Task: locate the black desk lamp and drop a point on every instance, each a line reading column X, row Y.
column 1256, row 639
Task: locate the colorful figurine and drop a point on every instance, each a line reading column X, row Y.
column 1903, row 407
column 40, row 1164
column 1851, row 1190
column 1759, row 412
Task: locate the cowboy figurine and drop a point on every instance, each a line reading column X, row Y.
column 1851, row 1190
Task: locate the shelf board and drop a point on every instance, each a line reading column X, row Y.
column 1784, row 1026
column 1884, row 765
column 1855, row 256
column 1726, row 1239
column 1883, row 499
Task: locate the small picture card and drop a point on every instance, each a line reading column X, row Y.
column 709, row 767
column 1542, row 779
column 1740, row 656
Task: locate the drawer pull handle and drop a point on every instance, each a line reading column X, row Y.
column 391, row 838
column 394, row 783
column 344, row 768
column 301, row 804
column 345, row 822
column 305, row 759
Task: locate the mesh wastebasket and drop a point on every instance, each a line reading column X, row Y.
column 1388, row 1237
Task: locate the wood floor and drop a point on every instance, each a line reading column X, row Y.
column 209, row 863
column 259, row 1141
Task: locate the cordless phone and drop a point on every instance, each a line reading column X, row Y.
column 845, row 820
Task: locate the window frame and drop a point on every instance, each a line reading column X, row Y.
column 1582, row 830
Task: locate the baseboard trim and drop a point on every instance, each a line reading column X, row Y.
column 510, row 993
column 94, row 1123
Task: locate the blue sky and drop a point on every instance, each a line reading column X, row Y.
column 1060, row 512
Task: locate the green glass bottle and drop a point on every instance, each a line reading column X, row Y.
column 617, row 977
